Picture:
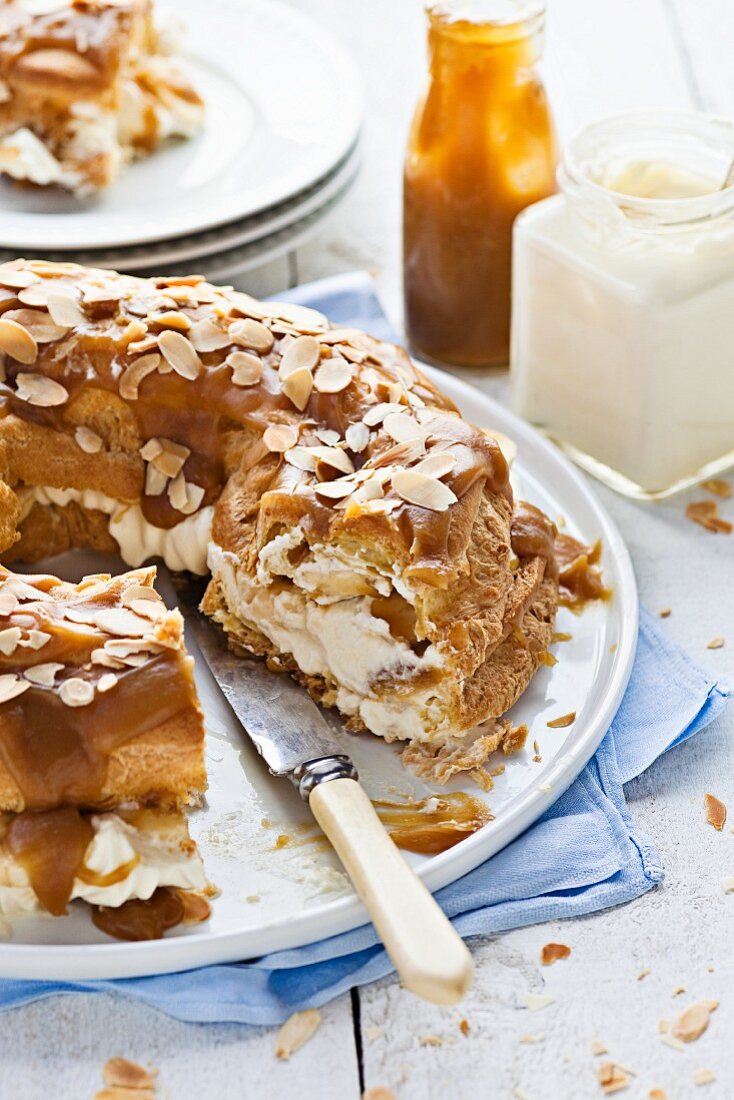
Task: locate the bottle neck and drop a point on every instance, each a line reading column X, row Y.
column 458, row 36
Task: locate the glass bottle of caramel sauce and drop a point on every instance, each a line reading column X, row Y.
column 481, row 148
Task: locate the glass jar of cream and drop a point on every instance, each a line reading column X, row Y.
column 623, row 302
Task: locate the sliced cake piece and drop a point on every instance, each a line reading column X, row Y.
column 86, row 86
column 98, row 706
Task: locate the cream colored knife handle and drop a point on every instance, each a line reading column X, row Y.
column 430, row 957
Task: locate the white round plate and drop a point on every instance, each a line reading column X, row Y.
column 281, row 897
column 284, row 107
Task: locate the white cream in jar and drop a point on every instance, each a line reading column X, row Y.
column 623, row 303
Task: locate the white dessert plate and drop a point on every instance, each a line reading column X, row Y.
column 278, row 894
column 284, row 107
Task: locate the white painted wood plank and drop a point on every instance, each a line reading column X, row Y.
column 706, row 32
column 56, row 1049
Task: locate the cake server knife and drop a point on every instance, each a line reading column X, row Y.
column 295, row 740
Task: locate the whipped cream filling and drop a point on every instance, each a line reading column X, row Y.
column 24, row 157
column 155, row 859
column 183, row 547
column 338, row 638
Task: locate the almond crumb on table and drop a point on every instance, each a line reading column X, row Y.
column 715, row 811
column 562, row 722
column 718, row 487
column 665, row 613
column 379, row 1092
column 704, row 1076
column 692, row 1023
column 715, row 643
column 706, row 514
column 553, row 952
column 613, row 1078
column 296, row 1032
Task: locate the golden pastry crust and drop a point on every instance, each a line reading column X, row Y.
column 339, row 491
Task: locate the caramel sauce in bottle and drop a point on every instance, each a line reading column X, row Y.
column 481, row 148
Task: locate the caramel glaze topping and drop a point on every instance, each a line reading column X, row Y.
column 217, row 404
column 141, row 920
column 434, row 824
column 50, row 847
column 56, row 736
column 575, row 565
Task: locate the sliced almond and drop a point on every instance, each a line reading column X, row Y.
column 335, row 490
column 206, row 336
column 39, row 390
column 50, row 63
column 177, row 492
column 87, row 440
column 172, row 457
column 377, row 413
column 106, row 682
column 301, row 458
column 10, row 639
column 303, row 353
column 180, row 353
column 437, row 464
column 333, row 457
column 251, row 334
column 562, row 722
column 143, row 346
column 297, row 386
column 11, row 686
column 121, row 621
column 43, row 675
column 17, row 278
column 426, row 492
column 302, row 318
column 151, row 449
column 76, row 692
column 247, row 370
column 36, row 639
column 155, row 481
column 121, row 1073
column 328, row 437
column 8, row 603
column 38, row 324
column 715, row 811
column 692, row 1023
column 170, row 318
column 17, row 342
column 131, row 378
column 280, row 437
column 357, row 437
column 333, row 376
column 63, row 305
column 402, row 427
column 296, row 1032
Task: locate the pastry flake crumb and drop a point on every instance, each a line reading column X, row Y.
column 715, row 811
column 561, row 636
column 373, row 1033
column 530, row 1039
column 665, row 613
column 379, row 1092
column 704, row 1076
column 692, row 1023
column 613, row 1078
column 553, row 952
column 296, row 1032
column 122, row 1073
column 643, row 973
column 671, row 1041
column 464, row 1027
column 716, row 643
column 658, row 1094
column 678, row 990
column 562, row 722
column 116, row 1093
column 537, row 1001
column 598, row 1047
column 431, row 1041
column 718, row 487
column 706, row 514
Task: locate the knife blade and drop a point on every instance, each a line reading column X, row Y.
column 295, row 740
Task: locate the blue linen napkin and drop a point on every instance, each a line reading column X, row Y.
column 586, row 853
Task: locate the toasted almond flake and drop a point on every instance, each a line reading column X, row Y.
column 598, row 1047
column 333, row 376
column 296, row 1032
column 706, row 514
column 206, row 336
column 530, row 1040
column 297, row 386
column 715, row 643
column 36, row 639
column 678, row 990
column 658, row 1094
column 718, row 487
column 715, row 811
column 133, row 375
column 121, row 1073
column 378, row 1092
column 11, row 686
column 437, row 464
column 38, row 324
column 280, row 437
column 10, row 639
column 144, row 345
column 704, row 1077
column 180, row 353
column 328, row 437
column 38, row 390
column 155, row 481
column 8, row 603
column 537, row 1001
column 377, row 413
column 121, row 621
column 303, row 318
column 247, row 369
column 17, row 342
column 612, row 1078
column 663, row 1026
column 43, row 675
column 672, row 1042
column 334, row 490
column 643, row 973
column 553, row 952
column 17, row 278
column 334, row 458
column 425, row 492
column 151, row 449
column 251, row 334
column 520, row 1094
column 177, row 492
column 170, row 319
column 303, row 353
column 88, row 440
column 431, row 1041
column 106, row 682
column 357, row 437
column 63, row 305
column 692, row 1023
column 665, row 613
column 403, row 428
column 372, row 1032
column 562, row 722
column 76, row 692
column 172, row 457
column 727, row 884
column 102, row 657
column 301, row 458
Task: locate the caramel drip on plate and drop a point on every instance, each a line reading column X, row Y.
column 141, row 920
column 430, row 829
column 579, row 573
column 50, row 847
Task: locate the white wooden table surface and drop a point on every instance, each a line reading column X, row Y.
column 602, row 56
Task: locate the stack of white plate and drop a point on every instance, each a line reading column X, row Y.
column 279, row 152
